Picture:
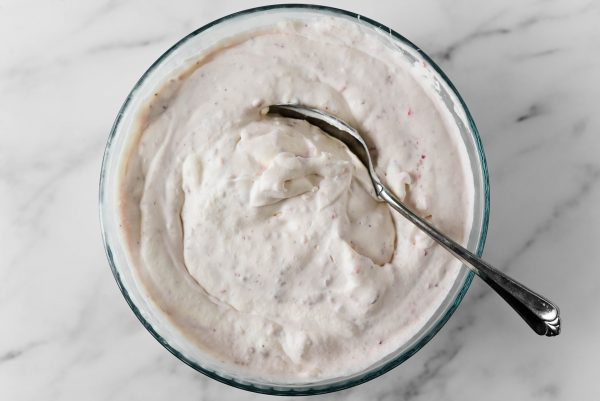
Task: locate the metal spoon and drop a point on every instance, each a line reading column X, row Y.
column 541, row 314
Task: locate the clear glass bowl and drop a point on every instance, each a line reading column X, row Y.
column 176, row 57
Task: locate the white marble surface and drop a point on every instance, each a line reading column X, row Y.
column 530, row 72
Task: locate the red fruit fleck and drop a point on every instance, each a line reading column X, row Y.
column 423, row 156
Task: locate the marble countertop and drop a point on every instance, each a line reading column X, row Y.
column 530, row 73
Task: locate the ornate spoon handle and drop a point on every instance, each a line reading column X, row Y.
column 539, row 313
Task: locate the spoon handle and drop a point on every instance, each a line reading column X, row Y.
column 539, row 313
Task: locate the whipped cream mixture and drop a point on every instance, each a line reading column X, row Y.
column 259, row 237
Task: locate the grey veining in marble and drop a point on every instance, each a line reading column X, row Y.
column 530, row 73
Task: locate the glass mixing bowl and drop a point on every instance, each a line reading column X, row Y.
column 175, row 58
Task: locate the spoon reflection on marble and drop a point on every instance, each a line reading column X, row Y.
column 541, row 314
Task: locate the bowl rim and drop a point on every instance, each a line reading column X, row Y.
column 346, row 382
